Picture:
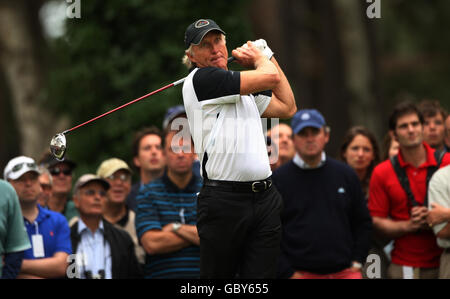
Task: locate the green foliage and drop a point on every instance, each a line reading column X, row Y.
column 121, row 50
column 412, row 37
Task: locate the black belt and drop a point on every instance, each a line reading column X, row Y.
column 256, row 186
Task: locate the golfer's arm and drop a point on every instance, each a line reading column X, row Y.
column 389, row 228
column 158, row 242
column 189, row 233
column 52, row 267
column 265, row 76
column 282, row 104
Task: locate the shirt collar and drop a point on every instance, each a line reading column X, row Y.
column 303, row 165
column 82, row 227
column 191, row 186
column 42, row 215
column 431, row 161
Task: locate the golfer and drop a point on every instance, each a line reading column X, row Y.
column 238, row 208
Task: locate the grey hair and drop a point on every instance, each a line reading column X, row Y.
column 43, row 170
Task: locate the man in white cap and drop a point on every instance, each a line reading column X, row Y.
column 118, row 174
column 47, row 230
column 106, row 252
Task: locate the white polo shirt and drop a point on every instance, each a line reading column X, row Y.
column 225, row 126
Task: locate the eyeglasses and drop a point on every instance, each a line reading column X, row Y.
column 92, row 192
column 56, row 171
column 123, row 177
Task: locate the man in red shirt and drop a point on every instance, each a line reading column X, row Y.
column 415, row 253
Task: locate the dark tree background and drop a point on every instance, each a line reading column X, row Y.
column 352, row 68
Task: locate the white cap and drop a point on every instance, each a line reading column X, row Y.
column 18, row 166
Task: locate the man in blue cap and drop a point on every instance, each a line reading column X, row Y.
column 326, row 224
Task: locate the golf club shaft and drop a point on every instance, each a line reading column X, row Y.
column 132, row 102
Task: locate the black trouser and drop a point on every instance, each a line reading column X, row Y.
column 240, row 233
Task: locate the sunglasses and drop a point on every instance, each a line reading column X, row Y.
column 92, row 192
column 56, row 171
column 123, row 177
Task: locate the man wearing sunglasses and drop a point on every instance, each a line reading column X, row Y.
column 47, row 230
column 103, row 251
column 61, row 172
column 118, row 174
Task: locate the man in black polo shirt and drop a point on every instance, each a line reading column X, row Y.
column 238, row 211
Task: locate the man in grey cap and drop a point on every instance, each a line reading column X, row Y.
column 106, row 252
column 224, row 109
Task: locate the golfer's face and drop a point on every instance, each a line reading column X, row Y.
column 212, row 51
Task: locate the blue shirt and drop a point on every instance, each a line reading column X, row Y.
column 95, row 251
column 54, row 230
column 159, row 203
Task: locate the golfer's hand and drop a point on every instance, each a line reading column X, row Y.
column 248, row 55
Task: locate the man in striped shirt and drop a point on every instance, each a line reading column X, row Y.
column 166, row 215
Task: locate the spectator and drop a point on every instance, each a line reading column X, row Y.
column 325, row 222
column 48, row 231
column 281, row 136
column 117, row 173
column 439, row 216
column 13, row 237
column 360, row 151
column 176, row 119
column 148, row 158
column 46, row 182
column 166, row 217
column 397, row 198
column 433, row 129
column 107, row 252
column 390, row 146
column 447, row 133
column 61, row 172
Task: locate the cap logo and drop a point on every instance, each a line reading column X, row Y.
column 306, row 116
column 201, row 23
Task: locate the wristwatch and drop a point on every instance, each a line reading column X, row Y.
column 176, row 226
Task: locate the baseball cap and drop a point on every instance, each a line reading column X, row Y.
column 197, row 30
column 108, row 167
column 172, row 113
column 307, row 118
column 87, row 178
column 18, row 166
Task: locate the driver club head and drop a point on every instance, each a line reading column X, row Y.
column 58, row 146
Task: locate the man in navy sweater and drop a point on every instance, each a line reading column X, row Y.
column 326, row 223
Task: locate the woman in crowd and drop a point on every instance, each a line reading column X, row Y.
column 360, row 151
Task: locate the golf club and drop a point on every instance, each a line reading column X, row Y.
column 58, row 144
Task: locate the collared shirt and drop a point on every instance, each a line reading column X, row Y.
column 54, row 230
column 94, row 250
column 226, row 126
column 388, row 199
column 303, row 165
column 159, row 203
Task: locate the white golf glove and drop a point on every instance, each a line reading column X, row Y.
column 261, row 44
